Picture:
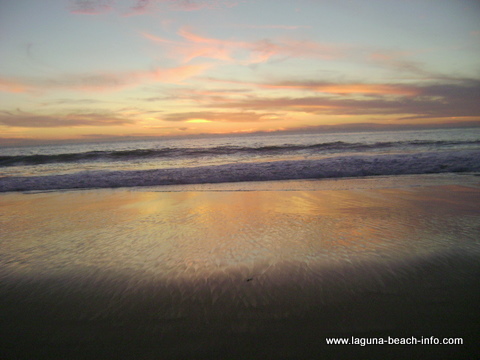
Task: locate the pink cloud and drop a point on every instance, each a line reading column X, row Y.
column 199, row 46
column 195, row 46
column 243, row 52
column 157, row 38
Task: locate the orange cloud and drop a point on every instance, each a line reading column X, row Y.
column 21, row 119
column 118, row 81
column 13, row 86
column 103, row 82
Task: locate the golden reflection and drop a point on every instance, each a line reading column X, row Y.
column 202, row 232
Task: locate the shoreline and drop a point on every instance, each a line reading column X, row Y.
column 260, row 271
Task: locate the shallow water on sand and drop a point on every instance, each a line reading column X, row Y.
column 233, row 261
column 196, row 234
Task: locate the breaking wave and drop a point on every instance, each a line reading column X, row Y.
column 174, row 152
column 333, row 167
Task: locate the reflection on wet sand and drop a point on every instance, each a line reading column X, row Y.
column 178, row 268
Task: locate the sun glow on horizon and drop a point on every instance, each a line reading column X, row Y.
column 198, row 121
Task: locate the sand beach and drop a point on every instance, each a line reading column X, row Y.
column 259, row 270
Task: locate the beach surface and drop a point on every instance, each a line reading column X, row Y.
column 259, row 270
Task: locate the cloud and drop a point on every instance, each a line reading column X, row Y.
column 398, row 61
column 352, row 88
column 72, row 102
column 209, row 116
column 319, row 105
column 140, row 7
column 336, row 88
column 326, row 87
column 91, row 7
column 281, row 27
column 458, row 99
column 199, row 96
column 192, row 5
column 195, row 46
column 101, row 81
column 13, row 86
column 176, row 74
column 21, row 119
column 243, row 52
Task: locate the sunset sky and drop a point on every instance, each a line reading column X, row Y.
column 109, row 69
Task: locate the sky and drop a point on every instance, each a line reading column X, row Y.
column 90, row 70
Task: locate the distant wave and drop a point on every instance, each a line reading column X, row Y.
column 128, row 155
column 334, row 167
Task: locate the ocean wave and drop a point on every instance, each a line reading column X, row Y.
column 333, row 167
column 174, row 152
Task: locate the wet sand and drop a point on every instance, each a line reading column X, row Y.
column 237, row 271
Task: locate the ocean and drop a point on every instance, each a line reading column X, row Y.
column 227, row 159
